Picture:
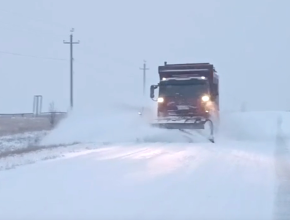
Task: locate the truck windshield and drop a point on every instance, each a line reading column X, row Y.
column 185, row 90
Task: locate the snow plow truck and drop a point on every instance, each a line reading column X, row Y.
column 188, row 98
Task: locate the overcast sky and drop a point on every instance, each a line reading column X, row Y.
column 247, row 41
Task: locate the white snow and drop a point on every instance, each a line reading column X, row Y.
column 142, row 182
column 118, row 178
column 20, row 141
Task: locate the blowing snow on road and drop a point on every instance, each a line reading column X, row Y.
column 235, row 178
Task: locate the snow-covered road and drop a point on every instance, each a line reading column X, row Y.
column 232, row 179
column 142, row 182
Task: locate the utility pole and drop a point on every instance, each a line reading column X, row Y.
column 144, row 76
column 144, row 84
column 71, row 65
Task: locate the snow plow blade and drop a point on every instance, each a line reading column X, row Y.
column 187, row 124
column 179, row 125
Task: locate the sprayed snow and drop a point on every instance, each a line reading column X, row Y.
column 122, row 127
column 128, row 126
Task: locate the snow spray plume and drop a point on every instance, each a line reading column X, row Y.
column 110, row 113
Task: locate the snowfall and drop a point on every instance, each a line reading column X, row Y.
column 136, row 172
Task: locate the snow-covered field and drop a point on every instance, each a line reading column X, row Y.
column 149, row 174
column 20, row 141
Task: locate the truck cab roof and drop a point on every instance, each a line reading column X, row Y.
column 187, row 70
column 190, row 79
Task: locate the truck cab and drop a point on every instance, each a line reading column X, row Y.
column 187, row 90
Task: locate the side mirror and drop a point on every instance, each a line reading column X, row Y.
column 152, row 88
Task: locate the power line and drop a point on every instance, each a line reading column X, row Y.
column 91, row 50
column 32, row 56
column 53, row 33
column 71, row 42
column 28, row 29
column 60, row 25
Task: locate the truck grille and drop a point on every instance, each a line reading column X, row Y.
column 179, row 107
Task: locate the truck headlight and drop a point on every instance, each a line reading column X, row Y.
column 205, row 98
column 160, row 100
